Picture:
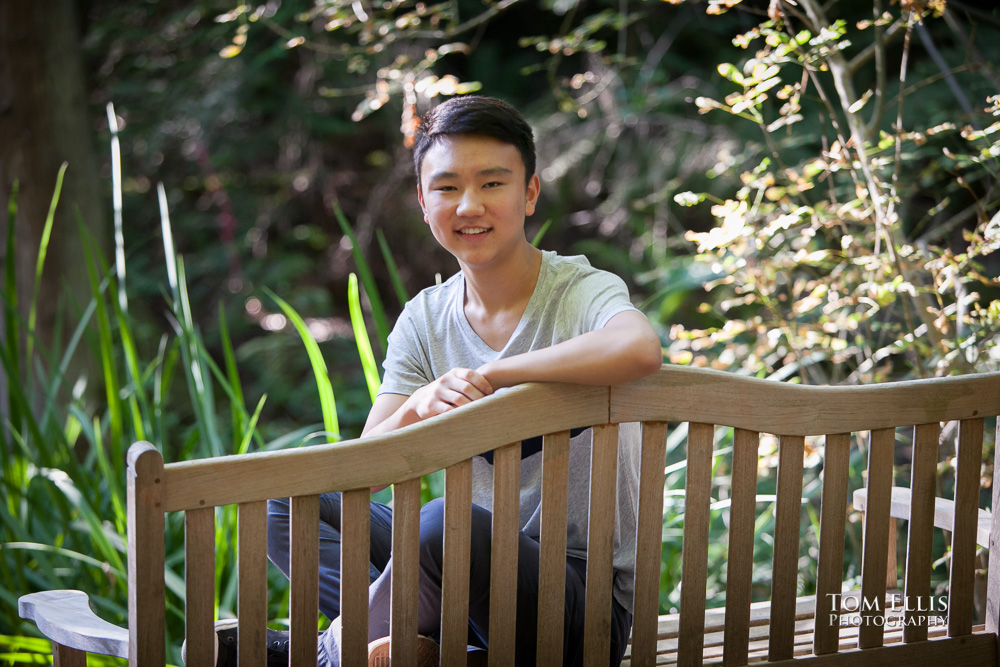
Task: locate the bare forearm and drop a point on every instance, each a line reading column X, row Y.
column 613, row 355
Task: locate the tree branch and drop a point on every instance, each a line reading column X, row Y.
column 485, row 17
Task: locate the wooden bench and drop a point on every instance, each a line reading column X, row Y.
column 704, row 402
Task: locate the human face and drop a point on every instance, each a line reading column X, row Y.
column 473, row 194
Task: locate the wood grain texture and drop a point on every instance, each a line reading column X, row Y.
column 962, row 581
column 455, row 575
column 920, row 527
column 785, row 569
column 552, row 553
column 66, row 618
column 697, row 394
column 891, row 565
column 972, row 650
column 251, row 537
column 303, row 604
column 694, row 549
column 881, row 444
column 199, row 585
column 943, row 513
column 600, row 546
column 146, row 480
column 832, row 523
column 64, row 656
column 518, row 413
column 503, row 555
column 739, row 571
column 649, row 544
column 993, row 583
column 405, row 572
column 355, row 522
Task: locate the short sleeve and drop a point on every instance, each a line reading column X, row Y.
column 596, row 298
column 405, row 360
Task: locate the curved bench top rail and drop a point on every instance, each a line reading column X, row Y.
column 675, row 394
column 680, row 394
column 492, row 422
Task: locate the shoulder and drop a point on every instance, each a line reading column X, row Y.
column 576, row 272
column 434, row 300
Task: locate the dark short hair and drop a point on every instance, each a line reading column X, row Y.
column 475, row 114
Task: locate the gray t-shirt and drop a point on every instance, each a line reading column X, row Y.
column 433, row 336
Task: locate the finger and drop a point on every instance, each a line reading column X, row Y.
column 478, row 381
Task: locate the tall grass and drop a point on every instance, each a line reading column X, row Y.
column 62, row 457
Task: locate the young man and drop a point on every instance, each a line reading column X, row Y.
column 513, row 314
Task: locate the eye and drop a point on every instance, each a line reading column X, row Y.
column 493, row 184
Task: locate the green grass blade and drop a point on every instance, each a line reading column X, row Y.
column 326, row 398
column 251, row 428
column 541, row 232
column 116, row 193
column 43, row 249
column 390, row 264
column 170, row 255
column 361, row 338
column 233, row 376
column 364, row 270
column 11, row 341
column 106, row 347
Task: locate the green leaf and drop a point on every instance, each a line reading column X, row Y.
column 361, row 338
column 326, row 398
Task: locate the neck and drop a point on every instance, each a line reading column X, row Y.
column 503, row 286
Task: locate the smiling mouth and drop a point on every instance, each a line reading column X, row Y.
column 472, row 232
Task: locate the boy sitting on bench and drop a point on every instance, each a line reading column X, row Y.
column 513, row 314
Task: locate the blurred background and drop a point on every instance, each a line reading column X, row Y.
column 801, row 191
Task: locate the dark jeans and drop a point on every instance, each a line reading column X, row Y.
column 429, row 598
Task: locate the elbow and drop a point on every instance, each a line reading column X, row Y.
column 645, row 355
column 651, row 354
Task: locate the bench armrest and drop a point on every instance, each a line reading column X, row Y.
column 944, row 512
column 66, row 618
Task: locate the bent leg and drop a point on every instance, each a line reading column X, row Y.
column 278, row 543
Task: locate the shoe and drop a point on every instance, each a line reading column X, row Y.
column 227, row 632
column 427, row 652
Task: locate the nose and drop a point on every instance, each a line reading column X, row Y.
column 471, row 204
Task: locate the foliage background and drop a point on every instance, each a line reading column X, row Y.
column 791, row 190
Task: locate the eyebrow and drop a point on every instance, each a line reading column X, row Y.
column 492, row 171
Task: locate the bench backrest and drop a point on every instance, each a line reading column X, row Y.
column 699, row 400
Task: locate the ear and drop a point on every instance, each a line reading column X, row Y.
column 423, row 207
column 531, row 194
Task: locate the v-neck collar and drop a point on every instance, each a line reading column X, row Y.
column 528, row 313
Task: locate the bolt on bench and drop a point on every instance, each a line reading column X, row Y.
column 879, row 629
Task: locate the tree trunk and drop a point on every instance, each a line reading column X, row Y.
column 45, row 121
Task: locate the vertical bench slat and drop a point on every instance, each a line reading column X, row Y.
column 355, row 552
column 694, row 548
column 64, row 656
column 739, row 576
column 993, row 584
column 552, row 555
column 503, row 558
column 962, row 582
column 832, row 523
column 405, row 573
column 920, row 536
column 251, row 529
column 875, row 542
column 649, row 544
column 199, row 586
column 787, row 523
column 303, row 604
column 600, row 545
column 146, row 589
column 457, row 546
